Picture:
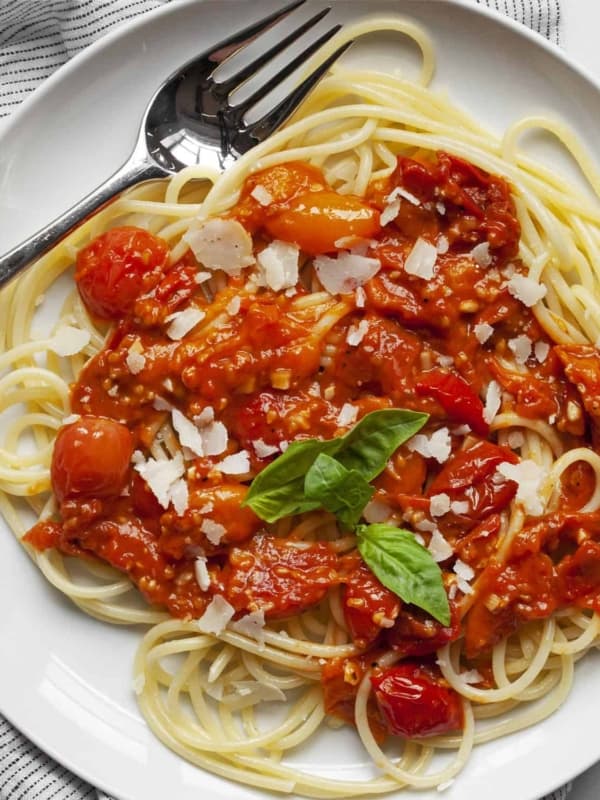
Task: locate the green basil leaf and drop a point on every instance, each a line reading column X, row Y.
column 278, row 491
column 371, row 442
column 405, row 567
column 341, row 491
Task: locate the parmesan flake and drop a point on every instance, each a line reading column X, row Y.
column 278, row 263
column 525, row 289
column 213, row 531
column 345, row 273
column 521, row 346
column 529, row 478
column 438, row 445
column 68, row 341
column 482, row 332
column 439, row 504
column 356, row 333
column 236, row 464
column 481, row 254
column 221, row 244
column 182, row 322
column 347, row 415
column 421, row 260
column 216, row 616
column 262, row 195
column 493, row 400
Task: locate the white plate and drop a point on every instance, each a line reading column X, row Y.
column 65, row 678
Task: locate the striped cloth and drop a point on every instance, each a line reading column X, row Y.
column 37, row 37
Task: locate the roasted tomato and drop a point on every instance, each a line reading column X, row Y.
column 369, row 607
column 416, row 701
column 315, row 221
column 114, row 270
column 91, row 458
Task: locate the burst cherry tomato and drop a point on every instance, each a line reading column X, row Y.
column 315, row 221
column 368, row 606
column 456, row 397
column 91, row 459
column 415, row 701
column 117, row 268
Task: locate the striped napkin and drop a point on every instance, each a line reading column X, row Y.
column 37, row 37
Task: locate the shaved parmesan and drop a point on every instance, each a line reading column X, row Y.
column 421, row 260
column 217, row 615
column 347, row 415
column 160, row 404
column 361, row 297
column 345, row 273
column 205, row 416
column 472, row 676
column 481, row 254
column 525, row 289
column 398, row 191
column 482, row 332
column 438, row 445
column 442, row 245
column 201, row 572
column 221, row 244
column 439, row 548
column 464, row 574
column 214, row 438
column 529, row 478
column 264, row 450
column 515, row 440
column 179, row 496
column 189, row 435
column 390, row 212
column 236, row 464
column 521, row 346
column 202, row 277
column 493, row 400
column 376, row 511
column 213, row 531
column 356, row 333
column 262, row 195
column 439, row 504
column 160, row 475
column 541, row 350
column 182, row 322
column 460, row 506
column 233, row 306
column 278, row 263
column 67, row 341
column 251, row 625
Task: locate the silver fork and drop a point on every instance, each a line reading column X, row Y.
column 192, row 120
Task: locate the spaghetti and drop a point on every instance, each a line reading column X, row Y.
column 469, row 290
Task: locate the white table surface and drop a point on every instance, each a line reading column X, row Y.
column 580, row 23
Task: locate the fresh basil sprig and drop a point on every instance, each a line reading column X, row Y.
column 343, row 492
column 280, row 489
column 405, row 567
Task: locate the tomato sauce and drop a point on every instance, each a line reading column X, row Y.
column 263, row 374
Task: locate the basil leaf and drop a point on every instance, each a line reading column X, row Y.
column 405, row 567
column 278, row 491
column 371, row 442
column 342, row 491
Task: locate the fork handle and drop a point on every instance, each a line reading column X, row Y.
column 132, row 172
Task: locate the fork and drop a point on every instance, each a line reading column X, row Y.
column 192, row 119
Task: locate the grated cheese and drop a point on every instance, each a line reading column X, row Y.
column 361, row 297
column 482, row 332
column 188, row 433
column 213, row 531
column 221, row 244
column 67, row 341
column 356, row 333
column 347, row 415
column 529, row 478
column 439, row 504
column 278, row 263
column 236, row 464
column 345, row 273
column 262, row 195
column 201, row 573
column 521, row 346
column 390, row 212
column 438, row 445
column 541, row 350
column 493, row 400
column 439, row 548
column 421, row 260
column 525, row 289
column 182, row 322
column 216, row 616
column 160, row 475
column 481, row 254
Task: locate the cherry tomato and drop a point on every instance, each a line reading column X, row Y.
column 415, row 701
column 368, row 606
column 115, row 269
column 91, row 458
column 456, row 397
column 279, row 576
column 315, row 221
column 415, row 633
column 470, row 476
